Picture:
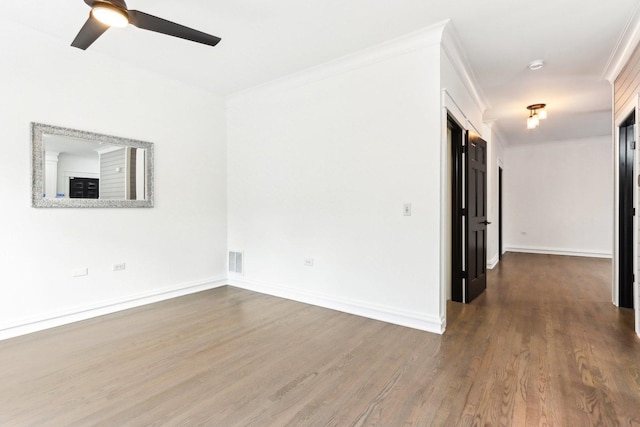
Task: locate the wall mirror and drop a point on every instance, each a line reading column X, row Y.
column 79, row 169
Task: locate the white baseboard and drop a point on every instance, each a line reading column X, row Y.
column 51, row 320
column 493, row 262
column 359, row 308
column 555, row 251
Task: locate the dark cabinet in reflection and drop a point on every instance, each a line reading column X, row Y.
column 84, row 188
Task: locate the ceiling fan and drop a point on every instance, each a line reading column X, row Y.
column 114, row 13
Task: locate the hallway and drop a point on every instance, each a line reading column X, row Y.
column 549, row 347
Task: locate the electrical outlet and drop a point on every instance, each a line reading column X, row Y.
column 308, row 262
column 406, row 209
column 79, row 272
column 119, row 267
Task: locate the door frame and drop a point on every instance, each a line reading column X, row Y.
column 457, row 251
column 449, row 108
column 618, row 120
column 500, row 182
column 625, row 288
column 622, row 116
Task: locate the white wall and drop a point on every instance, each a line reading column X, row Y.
column 558, row 197
column 179, row 243
column 495, row 154
column 319, row 167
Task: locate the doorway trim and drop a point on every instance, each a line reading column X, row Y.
column 457, row 224
column 449, row 108
column 627, row 198
column 500, row 217
column 619, row 119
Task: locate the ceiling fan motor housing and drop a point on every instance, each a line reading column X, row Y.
column 120, row 4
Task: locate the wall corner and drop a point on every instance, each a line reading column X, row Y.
column 625, row 46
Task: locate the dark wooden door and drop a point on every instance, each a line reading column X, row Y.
column 626, row 184
column 476, row 218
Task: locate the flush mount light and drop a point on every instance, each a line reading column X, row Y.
column 537, row 112
column 110, row 15
column 536, row 65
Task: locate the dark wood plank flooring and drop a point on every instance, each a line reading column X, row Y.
column 542, row 346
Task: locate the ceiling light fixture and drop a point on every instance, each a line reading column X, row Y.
column 110, row 15
column 537, row 112
column 536, row 65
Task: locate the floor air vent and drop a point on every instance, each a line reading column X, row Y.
column 235, row 262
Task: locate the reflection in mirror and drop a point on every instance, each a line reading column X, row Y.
column 73, row 168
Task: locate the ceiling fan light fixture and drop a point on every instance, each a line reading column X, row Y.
column 110, row 15
column 115, row 13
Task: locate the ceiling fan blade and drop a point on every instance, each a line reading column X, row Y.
column 159, row 25
column 90, row 31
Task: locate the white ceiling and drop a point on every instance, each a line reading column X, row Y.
column 264, row 40
column 67, row 144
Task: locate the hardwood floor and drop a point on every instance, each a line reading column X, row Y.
column 542, row 346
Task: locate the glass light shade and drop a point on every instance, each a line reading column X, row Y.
column 110, row 16
column 533, row 121
column 542, row 114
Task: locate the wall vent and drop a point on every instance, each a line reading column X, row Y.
column 235, row 262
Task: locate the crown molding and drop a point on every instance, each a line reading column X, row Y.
column 452, row 47
column 626, row 45
column 428, row 36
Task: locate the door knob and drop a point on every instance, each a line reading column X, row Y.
column 485, row 222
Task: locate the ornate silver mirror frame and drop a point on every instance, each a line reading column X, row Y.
column 41, row 132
